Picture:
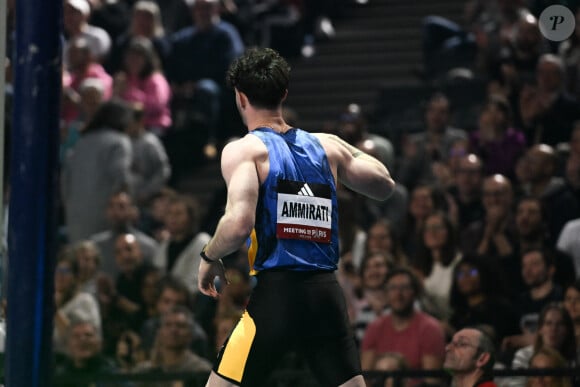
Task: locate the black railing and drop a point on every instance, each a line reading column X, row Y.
column 293, row 378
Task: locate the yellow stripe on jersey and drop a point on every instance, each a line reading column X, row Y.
column 253, row 251
column 237, row 349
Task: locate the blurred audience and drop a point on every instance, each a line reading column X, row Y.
column 121, row 215
column 140, row 81
column 410, row 332
column 496, row 141
column 104, row 153
column 84, row 357
column 555, row 331
column 420, row 151
column 179, row 255
column 434, row 261
column 150, row 165
column 76, row 25
column 172, row 351
column 71, row 303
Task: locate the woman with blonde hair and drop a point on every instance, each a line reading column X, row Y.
column 145, row 23
column 548, row 358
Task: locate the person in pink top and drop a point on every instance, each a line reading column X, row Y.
column 81, row 65
column 406, row 330
column 140, row 80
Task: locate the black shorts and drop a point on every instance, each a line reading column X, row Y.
column 292, row 311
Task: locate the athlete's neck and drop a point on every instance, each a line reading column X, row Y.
column 269, row 119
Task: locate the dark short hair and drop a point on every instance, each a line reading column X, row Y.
column 485, row 345
column 114, row 114
column 262, row 75
column 407, row 272
column 546, row 254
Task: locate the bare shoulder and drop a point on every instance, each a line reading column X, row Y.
column 248, row 151
column 332, row 144
column 337, row 150
column 247, row 147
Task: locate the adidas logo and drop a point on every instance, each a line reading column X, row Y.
column 305, row 190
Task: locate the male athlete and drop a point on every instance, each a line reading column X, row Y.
column 282, row 196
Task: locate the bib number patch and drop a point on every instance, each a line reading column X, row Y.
column 304, row 211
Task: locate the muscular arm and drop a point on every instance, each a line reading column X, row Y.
column 358, row 170
column 241, row 177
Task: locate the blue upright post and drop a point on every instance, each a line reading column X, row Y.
column 34, row 183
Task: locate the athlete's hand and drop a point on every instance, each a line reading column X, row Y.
column 206, row 276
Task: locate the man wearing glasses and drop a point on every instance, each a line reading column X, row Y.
column 470, row 357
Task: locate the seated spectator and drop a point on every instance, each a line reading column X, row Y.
column 197, row 65
column 496, row 141
column 110, row 15
column 71, row 303
column 121, row 215
column 532, row 233
column 145, row 23
column 141, row 81
column 466, row 193
column 133, row 270
column 425, row 199
column 382, row 237
column 150, row 166
column 81, row 66
column 84, row 356
column 494, row 236
column 389, row 361
column 435, row 259
column 559, row 199
column 179, row 255
column 572, row 305
column 555, row 331
column 172, row 351
column 518, row 58
column 470, row 357
column 432, row 145
column 537, row 272
column 175, row 15
column 412, row 333
column 569, row 51
column 548, row 358
column 103, row 153
column 150, row 292
column 547, row 110
column 477, row 299
column 129, row 351
column 171, row 293
column 86, row 260
column 370, row 299
column 152, row 220
column 121, row 299
column 91, row 95
column 353, row 127
column 76, row 25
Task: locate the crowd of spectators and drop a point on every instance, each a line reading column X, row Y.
column 482, row 229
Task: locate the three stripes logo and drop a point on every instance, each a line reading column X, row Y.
column 304, row 211
column 305, row 190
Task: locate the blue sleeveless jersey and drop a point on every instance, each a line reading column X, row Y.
column 296, row 215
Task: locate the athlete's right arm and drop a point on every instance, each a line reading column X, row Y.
column 234, row 227
column 358, row 170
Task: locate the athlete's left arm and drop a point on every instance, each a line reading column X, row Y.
column 241, row 177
